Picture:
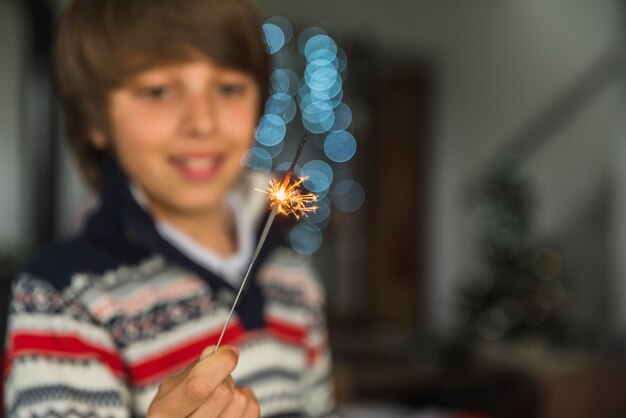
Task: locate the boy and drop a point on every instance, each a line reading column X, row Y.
column 161, row 100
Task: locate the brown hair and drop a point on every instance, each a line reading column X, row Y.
column 101, row 43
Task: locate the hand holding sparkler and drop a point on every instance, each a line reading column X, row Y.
column 214, row 390
column 285, row 198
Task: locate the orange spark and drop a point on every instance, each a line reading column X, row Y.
column 288, row 198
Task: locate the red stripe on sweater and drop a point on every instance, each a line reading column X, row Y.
column 60, row 346
column 147, row 371
column 177, row 358
column 286, row 332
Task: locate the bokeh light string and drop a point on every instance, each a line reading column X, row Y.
column 285, row 198
column 318, row 97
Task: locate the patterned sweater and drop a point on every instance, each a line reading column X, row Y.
column 96, row 323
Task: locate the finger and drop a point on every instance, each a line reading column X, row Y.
column 237, row 406
column 230, row 381
column 198, row 385
column 253, row 409
column 172, row 381
column 217, row 403
column 242, row 404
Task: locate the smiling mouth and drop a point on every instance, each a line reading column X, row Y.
column 197, row 168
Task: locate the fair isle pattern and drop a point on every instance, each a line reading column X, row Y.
column 101, row 346
column 42, row 394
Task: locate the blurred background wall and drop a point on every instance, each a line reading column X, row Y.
column 500, row 66
column 13, row 227
column 442, row 92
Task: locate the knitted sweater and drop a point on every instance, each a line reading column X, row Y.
column 96, row 323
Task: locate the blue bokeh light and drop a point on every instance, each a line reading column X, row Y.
column 258, row 159
column 307, row 34
column 319, row 175
column 343, row 117
column 282, row 105
column 318, row 123
column 320, row 91
column 330, row 95
column 321, row 78
column 317, row 115
column 319, row 41
column 275, row 150
column 274, row 37
column 318, row 111
column 284, row 80
column 271, row 130
column 305, row 238
column 284, row 25
column 323, row 58
column 340, row 146
column 303, row 91
column 333, row 94
column 348, row 196
column 279, row 81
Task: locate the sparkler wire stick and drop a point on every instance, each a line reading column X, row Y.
column 287, row 178
column 266, row 230
column 262, row 239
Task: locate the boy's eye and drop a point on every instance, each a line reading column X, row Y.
column 156, row 92
column 231, row 89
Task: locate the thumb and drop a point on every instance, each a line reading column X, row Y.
column 211, row 350
column 207, row 352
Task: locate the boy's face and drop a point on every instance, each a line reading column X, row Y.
column 180, row 132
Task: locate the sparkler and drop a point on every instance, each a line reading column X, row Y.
column 285, row 198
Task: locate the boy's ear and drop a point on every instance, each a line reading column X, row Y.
column 98, row 139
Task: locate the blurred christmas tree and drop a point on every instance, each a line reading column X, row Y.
column 517, row 288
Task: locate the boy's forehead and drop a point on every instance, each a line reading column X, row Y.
column 191, row 66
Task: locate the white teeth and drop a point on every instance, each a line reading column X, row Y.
column 200, row 163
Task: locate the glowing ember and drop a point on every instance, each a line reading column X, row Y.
column 288, row 198
column 280, row 194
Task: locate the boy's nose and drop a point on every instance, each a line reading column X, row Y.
column 199, row 121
